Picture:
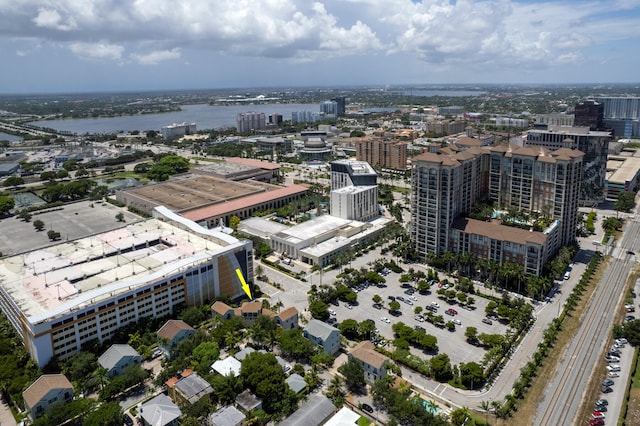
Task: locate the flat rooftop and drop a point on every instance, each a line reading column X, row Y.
column 622, row 169
column 192, row 192
column 49, row 281
column 312, row 228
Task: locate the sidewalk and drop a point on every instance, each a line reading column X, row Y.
column 6, row 418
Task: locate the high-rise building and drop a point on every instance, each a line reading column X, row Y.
column 381, row 152
column 341, row 103
column 594, row 145
column 589, row 114
column 329, row 109
column 251, row 122
column 354, row 190
column 446, row 184
column 624, row 108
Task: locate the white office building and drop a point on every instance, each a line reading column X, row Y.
column 177, row 130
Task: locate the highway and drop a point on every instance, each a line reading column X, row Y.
column 564, row 394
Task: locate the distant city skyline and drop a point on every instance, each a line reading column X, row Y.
column 118, row 45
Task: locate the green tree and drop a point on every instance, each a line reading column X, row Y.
column 6, row 204
column 206, row 353
column 167, row 166
column 294, row 344
column 192, row 316
column 394, row 306
column 349, row 328
column 234, row 221
column 13, row 181
column 120, row 217
column 262, row 374
column 107, row 414
column 319, row 310
column 632, row 332
column 53, row 235
column 461, row 416
column 441, row 367
column 25, row 215
column 471, row 375
column 353, row 373
column 625, row 201
column 226, row 388
column 38, row 224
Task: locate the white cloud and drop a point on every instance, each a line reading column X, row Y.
column 100, row 50
column 442, row 33
column 51, row 18
column 152, row 58
column 22, row 53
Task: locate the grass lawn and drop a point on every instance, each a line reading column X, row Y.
column 364, row 421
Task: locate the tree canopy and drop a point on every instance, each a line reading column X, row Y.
column 262, row 374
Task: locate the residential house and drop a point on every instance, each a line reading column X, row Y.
column 287, row 318
column 316, row 411
column 296, row 383
column 160, row 411
column 227, row 366
column 188, row 387
column 44, row 392
column 227, row 416
column 172, row 333
column 248, row 401
column 250, row 311
column 375, row 364
column 118, row 358
column 323, row 335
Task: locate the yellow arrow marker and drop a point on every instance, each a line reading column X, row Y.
column 245, row 286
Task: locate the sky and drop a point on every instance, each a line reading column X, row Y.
column 61, row 46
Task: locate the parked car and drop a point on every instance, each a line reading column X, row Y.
column 419, row 327
column 596, row 422
column 385, row 319
column 435, row 304
column 608, row 382
column 629, row 318
column 487, row 321
column 613, row 367
column 606, row 389
column 400, row 298
column 611, row 358
column 613, row 374
column 602, row 401
column 621, row 341
column 449, row 312
column 367, row 408
column 601, row 408
column 597, row 415
column 408, row 302
column 457, row 322
column 391, row 298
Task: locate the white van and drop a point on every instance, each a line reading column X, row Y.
column 567, row 275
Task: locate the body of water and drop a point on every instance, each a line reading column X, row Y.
column 10, row 138
column 205, row 116
column 444, row 93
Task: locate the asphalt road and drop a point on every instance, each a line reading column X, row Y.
column 564, row 394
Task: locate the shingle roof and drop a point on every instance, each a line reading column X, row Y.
column 254, row 306
column 220, row 308
column 115, row 353
column 319, row 329
column 171, row 328
column 287, row 313
column 365, row 352
column 44, row 384
column 159, row 411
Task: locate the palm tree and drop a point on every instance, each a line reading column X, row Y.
column 497, row 406
column 101, row 373
column 485, row 406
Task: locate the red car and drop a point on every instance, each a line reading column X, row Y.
column 596, row 422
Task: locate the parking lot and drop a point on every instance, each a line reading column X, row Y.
column 452, row 343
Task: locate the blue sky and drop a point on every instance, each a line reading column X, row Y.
column 105, row 45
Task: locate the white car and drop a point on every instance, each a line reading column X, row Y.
column 457, row 322
column 435, row 304
column 385, row 319
column 332, row 312
column 613, row 367
column 613, row 374
column 622, row 340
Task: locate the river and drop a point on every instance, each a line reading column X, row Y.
column 9, row 137
column 205, row 116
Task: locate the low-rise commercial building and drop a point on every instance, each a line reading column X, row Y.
column 62, row 296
